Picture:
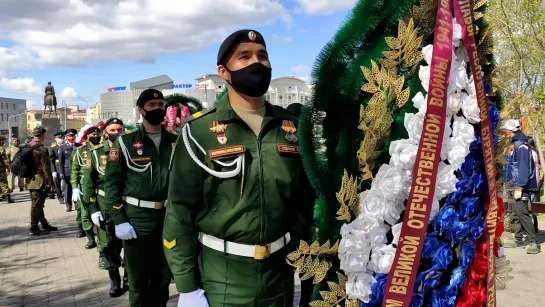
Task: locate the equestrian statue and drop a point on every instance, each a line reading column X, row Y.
column 50, row 100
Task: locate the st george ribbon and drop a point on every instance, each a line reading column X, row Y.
column 399, row 287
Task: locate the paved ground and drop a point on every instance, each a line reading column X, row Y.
column 526, row 290
column 54, row 270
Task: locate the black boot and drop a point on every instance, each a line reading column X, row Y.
column 80, row 233
column 10, row 201
column 125, row 281
column 91, row 240
column 36, row 231
column 115, row 283
column 101, row 261
column 47, row 227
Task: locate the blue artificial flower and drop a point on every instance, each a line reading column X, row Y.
column 446, row 218
column 476, row 226
column 459, row 232
column 487, row 87
column 417, row 300
column 467, row 253
column 494, row 113
column 430, row 245
column 443, row 298
column 468, row 206
column 443, row 256
column 457, row 278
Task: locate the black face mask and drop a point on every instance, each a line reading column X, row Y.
column 95, row 140
column 112, row 137
column 252, row 80
column 155, row 117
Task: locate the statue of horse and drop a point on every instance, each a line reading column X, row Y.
column 50, row 100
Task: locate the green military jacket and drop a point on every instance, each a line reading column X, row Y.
column 136, row 169
column 99, row 156
column 43, row 174
column 81, row 163
column 266, row 200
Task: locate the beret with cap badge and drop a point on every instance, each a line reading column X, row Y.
column 239, row 37
column 113, row 120
column 147, row 95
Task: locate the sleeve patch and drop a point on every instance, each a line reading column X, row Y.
column 117, row 207
column 169, row 244
column 114, row 154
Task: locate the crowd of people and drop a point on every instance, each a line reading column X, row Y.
column 215, row 205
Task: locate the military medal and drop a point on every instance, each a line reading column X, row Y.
column 219, row 129
column 138, row 147
column 289, row 127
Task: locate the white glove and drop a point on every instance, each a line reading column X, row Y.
column 97, row 218
column 55, row 174
column 517, row 194
column 75, row 194
column 125, row 231
column 193, row 299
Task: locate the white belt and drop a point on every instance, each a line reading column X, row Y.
column 258, row 252
column 144, row 203
column 101, row 193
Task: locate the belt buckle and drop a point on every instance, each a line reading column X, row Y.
column 262, row 252
column 159, row 205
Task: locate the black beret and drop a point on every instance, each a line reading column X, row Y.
column 71, row 131
column 295, row 108
column 93, row 129
column 239, row 37
column 113, row 120
column 148, row 95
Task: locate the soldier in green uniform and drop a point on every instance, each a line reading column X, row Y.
column 37, row 184
column 108, row 245
column 80, row 168
column 239, row 199
column 11, row 151
column 4, row 169
column 135, row 185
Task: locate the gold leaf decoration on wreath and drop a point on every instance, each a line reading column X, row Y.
column 313, row 261
column 405, row 48
column 424, row 16
column 336, row 296
column 478, row 4
column 348, row 198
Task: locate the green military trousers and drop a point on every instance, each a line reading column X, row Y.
column 149, row 274
column 82, row 216
column 235, row 281
column 107, row 243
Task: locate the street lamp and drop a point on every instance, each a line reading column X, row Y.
column 9, row 126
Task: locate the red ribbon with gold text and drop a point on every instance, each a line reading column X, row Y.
column 464, row 16
column 399, row 287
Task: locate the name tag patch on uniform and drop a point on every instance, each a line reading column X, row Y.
column 289, row 149
column 140, row 159
column 226, row 151
column 114, row 154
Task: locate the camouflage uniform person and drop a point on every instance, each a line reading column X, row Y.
column 80, row 167
column 37, row 184
column 4, row 169
column 11, row 151
column 108, row 245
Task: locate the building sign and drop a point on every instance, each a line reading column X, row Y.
column 182, row 85
column 116, row 89
column 201, row 85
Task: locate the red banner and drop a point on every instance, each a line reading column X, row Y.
column 399, row 287
column 464, row 16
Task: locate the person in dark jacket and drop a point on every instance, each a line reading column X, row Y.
column 56, row 166
column 520, row 182
column 65, row 160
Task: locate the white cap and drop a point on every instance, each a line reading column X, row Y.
column 511, row 125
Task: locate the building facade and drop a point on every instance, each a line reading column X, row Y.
column 121, row 103
column 11, row 110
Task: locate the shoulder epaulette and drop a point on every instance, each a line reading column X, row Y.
column 173, row 132
column 97, row 146
column 130, row 131
column 198, row 114
column 53, row 145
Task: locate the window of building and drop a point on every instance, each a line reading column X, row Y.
column 1, row 117
column 1, row 105
column 14, row 107
column 280, row 97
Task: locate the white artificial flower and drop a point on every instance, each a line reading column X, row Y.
column 457, row 35
column 454, row 102
column 434, row 208
column 414, row 123
column 428, row 52
column 446, row 180
column 420, row 102
column 359, row 286
column 470, row 109
column 389, row 180
column 396, row 232
column 463, row 130
column 424, row 76
column 403, row 154
column 382, row 258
